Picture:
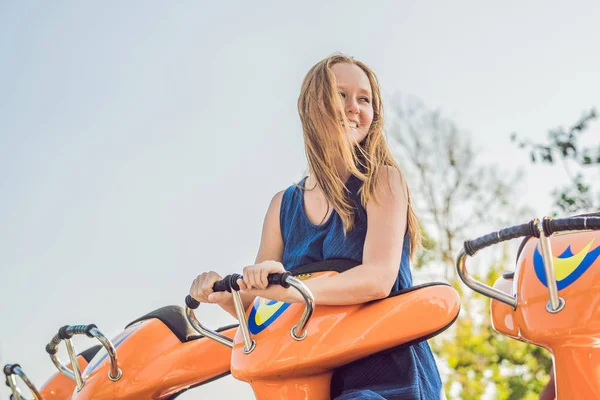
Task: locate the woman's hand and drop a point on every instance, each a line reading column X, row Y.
column 255, row 276
column 202, row 291
column 255, row 283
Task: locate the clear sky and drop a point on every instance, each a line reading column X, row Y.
column 141, row 141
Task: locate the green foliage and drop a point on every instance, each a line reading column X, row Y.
column 456, row 194
column 564, row 145
column 483, row 362
column 427, row 255
column 480, row 358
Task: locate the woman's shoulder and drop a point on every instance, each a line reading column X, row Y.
column 278, row 197
column 388, row 181
column 389, row 173
column 295, row 188
column 276, row 201
column 284, row 196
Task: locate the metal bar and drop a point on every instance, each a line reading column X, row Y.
column 298, row 331
column 29, row 384
column 555, row 303
column 13, row 387
column 74, row 364
column 61, row 368
column 115, row 373
column 249, row 343
column 493, row 293
column 191, row 317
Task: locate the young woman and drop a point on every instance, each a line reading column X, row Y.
column 353, row 204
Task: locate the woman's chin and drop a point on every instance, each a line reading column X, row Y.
column 357, row 137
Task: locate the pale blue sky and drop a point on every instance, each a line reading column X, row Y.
column 141, row 141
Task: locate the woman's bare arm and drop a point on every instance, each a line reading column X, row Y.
column 375, row 277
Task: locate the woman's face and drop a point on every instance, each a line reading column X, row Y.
column 355, row 91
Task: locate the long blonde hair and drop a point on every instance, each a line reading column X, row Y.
column 323, row 118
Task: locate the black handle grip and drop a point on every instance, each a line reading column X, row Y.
column 279, row 279
column 67, row 332
column 513, row 232
column 220, row 286
column 570, row 224
column 52, row 347
column 229, row 283
column 9, row 369
column 191, row 302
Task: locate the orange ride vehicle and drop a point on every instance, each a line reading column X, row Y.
column 283, row 351
column 552, row 298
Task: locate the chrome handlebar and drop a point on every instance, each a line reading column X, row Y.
column 479, row 287
column 66, row 333
column 10, row 370
column 298, row 331
column 541, row 229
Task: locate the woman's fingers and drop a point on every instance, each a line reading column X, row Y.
column 257, row 276
column 196, row 288
column 250, row 277
column 217, row 297
column 202, row 287
column 263, row 277
column 242, row 284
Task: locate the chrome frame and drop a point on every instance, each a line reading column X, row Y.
column 73, row 357
column 298, row 331
column 493, row 293
column 553, row 306
column 61, row 368
column 114, row 373
column 216, row 336
column 249, row 343
column 556, row 303
column 12, row 383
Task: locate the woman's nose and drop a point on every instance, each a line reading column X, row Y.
column 352, row 106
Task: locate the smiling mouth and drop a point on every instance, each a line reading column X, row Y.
column 352, row 124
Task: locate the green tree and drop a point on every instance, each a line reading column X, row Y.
column 483, row 360
column 455, row 194
column 564, row 145
column 455, row 191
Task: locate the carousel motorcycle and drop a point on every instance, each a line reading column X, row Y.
column 157, row 356
column 552, row 298
column 284, row 351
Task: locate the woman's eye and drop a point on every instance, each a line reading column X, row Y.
column 342, row 94
column 365, row 99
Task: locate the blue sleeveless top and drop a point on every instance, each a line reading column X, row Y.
column 402, row 373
